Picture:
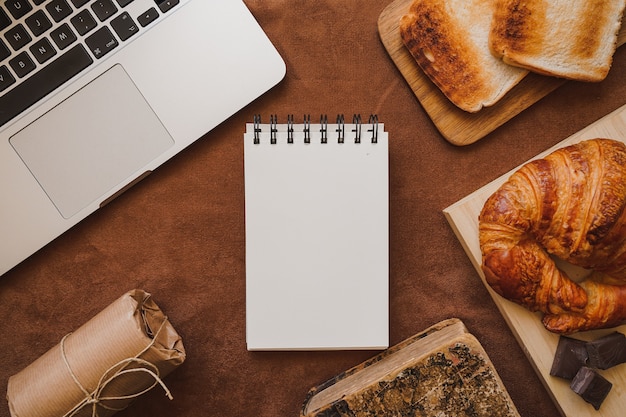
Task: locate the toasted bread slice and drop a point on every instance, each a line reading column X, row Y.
column 573, row 39
column 449, row 39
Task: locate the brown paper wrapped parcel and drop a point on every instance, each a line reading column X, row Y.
column 121, row 353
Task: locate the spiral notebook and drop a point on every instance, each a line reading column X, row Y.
column 317, row 234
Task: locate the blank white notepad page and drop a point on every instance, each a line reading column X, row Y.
column 317, row 263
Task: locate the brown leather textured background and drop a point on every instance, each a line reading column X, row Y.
column 179, row 234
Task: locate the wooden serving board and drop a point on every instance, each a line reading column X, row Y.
column 539, row 344
column 457, row 126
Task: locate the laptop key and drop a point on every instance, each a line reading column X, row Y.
column 166, row 5
column 124, row 3
column 41, row 83
column 124, row 26
column 104, row 9
column 58, row 9
column 79, row 3
column 63, row 36
column 101, row 42
column 22, row 64
column 5, row 22
column 4, row 51
column 17, row 36
column 18, row 8
column 6, row 78
column 148, row 17
column 38, row 22
column 42, row 50
column 83, row 22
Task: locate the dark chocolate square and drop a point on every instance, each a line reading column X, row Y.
column 591, row 386
column 607, row 351
column 570, row 355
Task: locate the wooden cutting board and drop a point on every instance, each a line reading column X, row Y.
column 457, row 126
column 539, row 344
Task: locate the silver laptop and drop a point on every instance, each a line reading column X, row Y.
column 95, row 94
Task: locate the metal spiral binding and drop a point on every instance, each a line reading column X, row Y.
column 356, row 121
column 324, row 128
column 341, row 129
column 273, row 128
column 307, row 129
column 257, row 128
column 290, row 128
column 374, row 122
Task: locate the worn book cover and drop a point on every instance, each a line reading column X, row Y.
column 442, row 371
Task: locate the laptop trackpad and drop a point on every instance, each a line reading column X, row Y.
column 91, row 142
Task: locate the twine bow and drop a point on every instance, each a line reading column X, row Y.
column 95, row 398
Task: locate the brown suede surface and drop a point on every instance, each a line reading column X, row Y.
column 179, row 234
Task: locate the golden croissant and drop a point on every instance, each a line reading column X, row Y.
column 569, row 205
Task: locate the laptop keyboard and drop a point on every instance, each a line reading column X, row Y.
column 44, row 43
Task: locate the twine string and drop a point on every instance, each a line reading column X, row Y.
column 95, row 398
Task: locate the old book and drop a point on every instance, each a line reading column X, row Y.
column 441, row 371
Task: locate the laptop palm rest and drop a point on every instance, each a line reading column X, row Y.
column 114, row 136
